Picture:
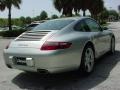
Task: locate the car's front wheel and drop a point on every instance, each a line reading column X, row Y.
column 88, row 60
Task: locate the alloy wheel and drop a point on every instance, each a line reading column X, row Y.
column 89, row 59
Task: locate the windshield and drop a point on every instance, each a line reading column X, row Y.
column 53, row 25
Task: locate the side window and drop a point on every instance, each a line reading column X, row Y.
column 81, row 26
column 93, row 26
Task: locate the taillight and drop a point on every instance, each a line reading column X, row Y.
column 55, row 45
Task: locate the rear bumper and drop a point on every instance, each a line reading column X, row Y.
column 51, row 62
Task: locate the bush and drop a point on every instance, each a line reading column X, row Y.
column 103, row 22
column 13, row 33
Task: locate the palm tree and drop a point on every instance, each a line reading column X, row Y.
column 2, row 5
column 88, row 4
column 9, row 4
column 77, row 6
column 58, row 5
column 67, row 6
column 96, row 8
column 64, row 6
column 84, row 6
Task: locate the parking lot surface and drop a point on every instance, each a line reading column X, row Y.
column 106, row 75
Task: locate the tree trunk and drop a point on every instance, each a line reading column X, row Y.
column 9, row 19
column 84, row 14
column 70, row 13
column 76, row 13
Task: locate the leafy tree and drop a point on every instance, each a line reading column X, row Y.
column 22, row 19
column 37, row 18
column 17, row 22
column 28, row 20
column 3, row 22
column 54, row 16
column 113, row 13
column 43, row 15
column 103, row 16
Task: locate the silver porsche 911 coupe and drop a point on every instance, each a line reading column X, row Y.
column 60, row 45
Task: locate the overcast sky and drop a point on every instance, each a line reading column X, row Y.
column 34, row 7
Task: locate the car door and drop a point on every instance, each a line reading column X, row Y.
column 100, row 38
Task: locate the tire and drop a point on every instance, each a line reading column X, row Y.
column 87, row 61
column 112, row 49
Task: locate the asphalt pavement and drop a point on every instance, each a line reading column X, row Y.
column 106, row 75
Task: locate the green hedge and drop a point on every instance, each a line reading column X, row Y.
column 12, row 33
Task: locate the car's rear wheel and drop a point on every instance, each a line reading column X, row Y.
column 88, row 60
column 112, row 50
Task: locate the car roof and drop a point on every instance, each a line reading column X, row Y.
column 71, row 18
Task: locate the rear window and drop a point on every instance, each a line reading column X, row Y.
column 53, row 25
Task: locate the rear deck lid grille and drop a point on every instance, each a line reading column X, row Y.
column 32, row 36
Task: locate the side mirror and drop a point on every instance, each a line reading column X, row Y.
column 105, row 28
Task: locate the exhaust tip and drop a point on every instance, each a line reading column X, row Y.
column 42, row 71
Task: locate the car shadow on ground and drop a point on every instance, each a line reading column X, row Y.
column 70, row 80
